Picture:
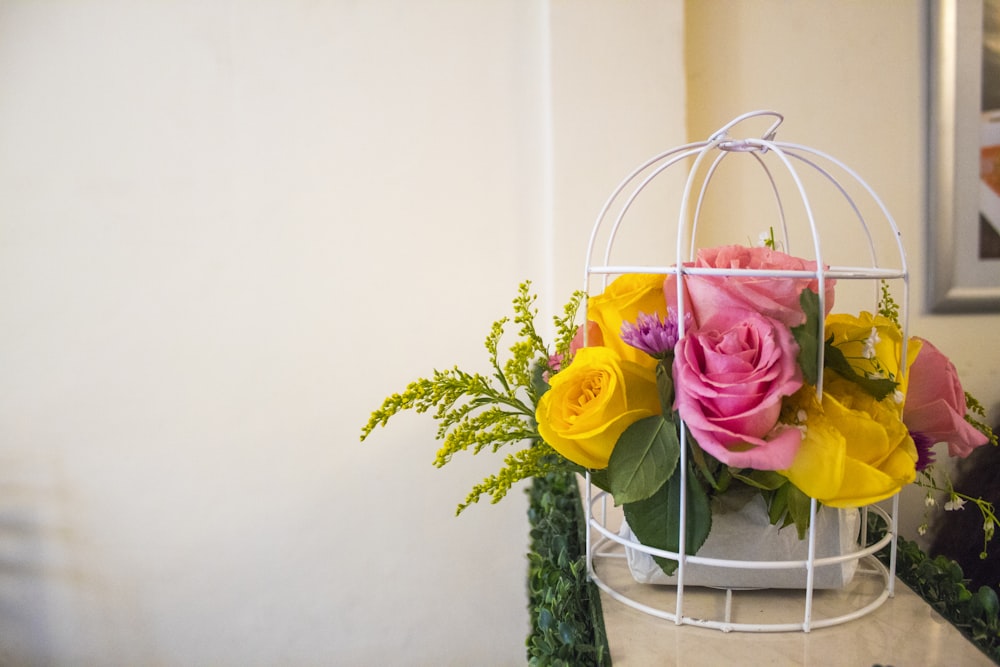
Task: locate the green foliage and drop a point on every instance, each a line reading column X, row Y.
column 522, row 464
column 887, row 306
column 787, row 504
column 665, row 384
column 875, row 386
column 567, row 624
column 769, row 242
column 940, row 581
column 476, row 412
column 566, row 325
column 808, row 339
column 643, row 459
column 656, row 520
column 807, row 335
column 766, row 480
column 974, row 414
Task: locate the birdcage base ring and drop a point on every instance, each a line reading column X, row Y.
column 728, row 608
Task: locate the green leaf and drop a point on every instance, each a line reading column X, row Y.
column 767, row 480
column 656, row 520
column 777, row 507
column 787, row 505
column 538, row 384
column 877, row 387
column 665, row 385
column 599, row 478
column 798, row 509
column 643, row 459
column 988, row 601
column 700, row 458
column 807, row 335
column 567, row 633
column 545, row 619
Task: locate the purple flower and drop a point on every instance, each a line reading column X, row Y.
column 652, row 335
column 925, row 453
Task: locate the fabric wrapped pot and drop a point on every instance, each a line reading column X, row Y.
column 741, row 531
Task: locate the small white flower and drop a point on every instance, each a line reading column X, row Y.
column 955, row 503
column 988, row 528
column 870, row 343
column 922, row 529
column 764, row 239
column 898, row 397
column 929, row 501
column 801, row 416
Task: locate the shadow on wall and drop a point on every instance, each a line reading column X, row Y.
column 34, row 539
column 959, row 533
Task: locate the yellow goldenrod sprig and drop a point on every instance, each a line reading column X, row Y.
column 531, row 462
column 475, row 412
column 566, row 324
column 524, row 314
column 974, row 414
column 492, row 427
column 887, row 306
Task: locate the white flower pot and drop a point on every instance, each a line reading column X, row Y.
column 741, row 531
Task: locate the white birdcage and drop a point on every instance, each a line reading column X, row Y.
column 861, row 582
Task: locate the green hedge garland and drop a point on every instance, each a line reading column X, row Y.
column 941, row 583
column 565, row 606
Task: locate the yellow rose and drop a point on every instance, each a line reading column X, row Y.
column 591, row 402
column 855, row 450
column 622, row 301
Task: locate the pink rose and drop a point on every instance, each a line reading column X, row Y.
column 730, row 376
column 777, row 298
column 935, row 403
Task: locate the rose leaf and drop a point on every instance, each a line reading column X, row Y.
column 792, row 505
column 656, row 520
column 766, row 480
column 644, row 457
column 879, row 388
column 807, row 336
column 798, row 509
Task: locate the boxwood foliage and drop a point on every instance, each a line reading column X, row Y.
column 941, row 583
column 567, row 623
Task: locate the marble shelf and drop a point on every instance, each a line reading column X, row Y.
column 905, row 630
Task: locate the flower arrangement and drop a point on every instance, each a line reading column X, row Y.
column 726, row 365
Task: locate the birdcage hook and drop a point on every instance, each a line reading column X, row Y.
column 725, row 142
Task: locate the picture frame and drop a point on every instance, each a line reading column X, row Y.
column 963, row 211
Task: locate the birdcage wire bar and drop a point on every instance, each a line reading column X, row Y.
column 605, row 545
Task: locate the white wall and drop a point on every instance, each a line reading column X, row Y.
column 227, row 231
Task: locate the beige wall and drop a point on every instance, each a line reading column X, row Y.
column 850, row 79
column 227, row 231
